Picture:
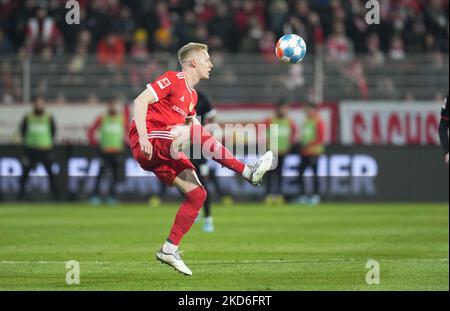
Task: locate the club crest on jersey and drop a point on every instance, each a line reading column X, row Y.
column 163, row 83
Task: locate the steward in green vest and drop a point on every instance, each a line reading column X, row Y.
column 311, row 143
column 38, row 132
column 108, row 133
column 284, row 136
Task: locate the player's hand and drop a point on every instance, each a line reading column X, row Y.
column 146, row 147
column 446, row 159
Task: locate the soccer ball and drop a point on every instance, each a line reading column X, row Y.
column 290, row 48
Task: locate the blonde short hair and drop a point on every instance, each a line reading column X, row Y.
column 184, row 52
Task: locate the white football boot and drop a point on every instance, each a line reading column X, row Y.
column 259, row 168
column 174, row 260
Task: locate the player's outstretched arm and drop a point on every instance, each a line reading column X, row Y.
column 140, row 114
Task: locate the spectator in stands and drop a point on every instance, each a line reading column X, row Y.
column 84, row 40
column 316, row 34
column 246, row 11
column 429, row 43
column 297, row 23
column 111, row 51
column 355, row 73
column 375, row 57
column 77, row 66
column 141, row 66
column 6, row 46
column 125, row 25
column 436, row 19
column 294, row 25
column 335, row 27
column 221, row 25
column 7, row 7
column 302, row 11
column 415, row 35
column 139, row 50
column 42, row 32
column 397, row 50
column 339, row 46
column 357, row 26
column 278, row 11
column 267, row 46
column 255, row 32
column 295, row 79
column 185, row 27
column 201, row 33
column 9, row 89
column 387, row 89
column 163, row 39
column 232, row 21
column 159, row 25
column 45, row 63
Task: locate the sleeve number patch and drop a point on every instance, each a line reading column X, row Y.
column 163, row 83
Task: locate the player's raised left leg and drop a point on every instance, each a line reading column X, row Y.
column 253, row 172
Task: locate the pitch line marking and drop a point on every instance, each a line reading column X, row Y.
column 224, row 261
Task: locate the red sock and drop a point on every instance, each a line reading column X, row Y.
column 219, row 153
column 187, row 214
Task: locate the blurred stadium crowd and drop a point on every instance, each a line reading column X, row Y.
column 140, row 27
column 116, row 41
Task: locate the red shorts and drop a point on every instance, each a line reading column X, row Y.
column 162, row 164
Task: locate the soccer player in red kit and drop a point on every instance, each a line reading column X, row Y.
column 162, row 113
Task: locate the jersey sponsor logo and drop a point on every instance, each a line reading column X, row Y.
column 163, row 83
column 179, row 110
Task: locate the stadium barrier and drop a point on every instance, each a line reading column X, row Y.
column 235, row 78
column 73, row 121
column 388, row 123
column 357, row 173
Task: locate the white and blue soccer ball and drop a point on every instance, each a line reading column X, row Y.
column 290, row 48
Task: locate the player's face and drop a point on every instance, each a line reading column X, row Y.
column 204, row 65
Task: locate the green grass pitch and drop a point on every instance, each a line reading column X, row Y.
column 254, row 247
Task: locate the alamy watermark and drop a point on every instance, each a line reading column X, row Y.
column 373, row 13
column 237, row 138
column 373, row 275
column 73, row 272
column 73, row 15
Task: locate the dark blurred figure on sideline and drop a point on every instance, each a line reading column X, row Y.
column 286, row 136
column 38, row 130
column 207, row 114
column 311, row 146
column 443, row 129
column 111, row 128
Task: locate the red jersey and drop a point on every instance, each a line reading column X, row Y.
column 176, row 101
